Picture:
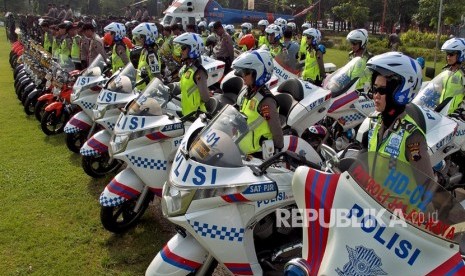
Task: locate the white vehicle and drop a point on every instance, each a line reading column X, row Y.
column 222, row 199
column 119, row 91
column 397, row 221
column 85, row 92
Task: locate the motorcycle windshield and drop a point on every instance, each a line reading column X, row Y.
column 430, row 94
column 285, row 66
column 96, row 67
column 218, row 143
column 148, row 102
column 410, row 195
column 124, row 81
column 343, row 78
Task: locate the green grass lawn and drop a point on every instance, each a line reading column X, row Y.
column 50, row 222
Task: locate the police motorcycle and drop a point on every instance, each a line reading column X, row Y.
column 220, row 198
column 147, row 142
column 116, row 93
column 362, row 221
column 348, row 110
column 446, row 142
column 85, row 92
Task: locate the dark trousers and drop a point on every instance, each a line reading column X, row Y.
column 227, row 64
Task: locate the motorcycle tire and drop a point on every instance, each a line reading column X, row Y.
column 97, row 166
column 30, row 105
column 21, row 87
column 25, row 94
column 52, row 124
column 121, row 218
column 39, row 109
column 74, row 141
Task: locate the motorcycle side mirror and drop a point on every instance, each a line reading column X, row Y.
column 429, row 72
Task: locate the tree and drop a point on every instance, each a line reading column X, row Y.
column 428, row 12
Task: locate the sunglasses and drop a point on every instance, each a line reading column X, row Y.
column 451, row 53
column 184, row 47
column 310, row 37
column 353, row 42
column 243, row 72
column 381, row 90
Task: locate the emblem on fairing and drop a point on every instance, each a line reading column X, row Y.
column 362, row 262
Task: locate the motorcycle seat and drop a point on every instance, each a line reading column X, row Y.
column 292, row 87
column 286, row 102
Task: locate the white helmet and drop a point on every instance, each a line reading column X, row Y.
column 281, row 22
column 118, row 28
column 292, row 25
column 202, row 24
column 259, row 62
column 455, row 45
column 313, row 33
column 149, row 30
column 263, row 23
column 247, row 26
column 360, row 36
column 194, row 41
column 229, row 29
column 210, row 25
column 402, row 68
column 276, row 30
column 306, row 25
column 120, row 84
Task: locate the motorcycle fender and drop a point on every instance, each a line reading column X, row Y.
column 33, row 94
column 29, row 88
column 57, row 106
column 301, row 147
column 125, row 186
column 46, row 97
column 79, row 122
column 97, row 144
column 180, row 256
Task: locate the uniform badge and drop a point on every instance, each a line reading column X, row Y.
column 395, row 127
column 393, row 146
column 414, row 149
column 187, row 74
column 252, row 104
column 265, row 111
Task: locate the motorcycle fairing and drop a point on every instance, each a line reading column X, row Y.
column 124, row 186
column 79, row 122
column 97, row 144
column 382, row 250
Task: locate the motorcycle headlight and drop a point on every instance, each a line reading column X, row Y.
column 100, row 111
column 118, row 144
column 175, row 202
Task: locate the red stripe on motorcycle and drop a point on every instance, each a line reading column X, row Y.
column 234, row 198
column 319, row 195
column 178, row 261
column 122, row 190
column 79, row 124
column 239, row 269
column 293, row 143
column 156, row 191
column 96, row 145
column 156, row 136
column 343, row 101
column 453, row 266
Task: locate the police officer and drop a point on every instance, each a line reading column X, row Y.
column 262, row 24
column 358, row 40
column 193, row 84
column 120, row 52
column 453, row 87
column 274, row 34
column 257, row 102
column 314, row 69
column 149, row 61
column 394, row 133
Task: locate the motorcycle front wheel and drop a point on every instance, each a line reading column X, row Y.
column 74, row 141
column 52, row 124
column 98, row 166
column 30, row 105
column 39, row 110
column 119, row 219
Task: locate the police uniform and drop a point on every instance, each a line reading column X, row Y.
column 360, row 70
column 261, row 110
column 194, row 90
column 404, row 140
column 119, row 56
column 313, row 66
column 149, row 61
column 453, row 87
